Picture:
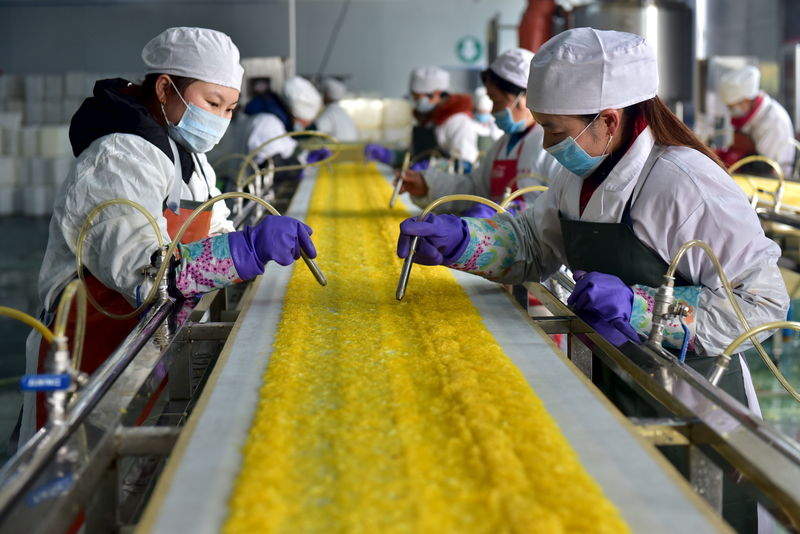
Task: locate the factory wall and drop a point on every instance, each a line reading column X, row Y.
column 379, row 41
column 745, row 28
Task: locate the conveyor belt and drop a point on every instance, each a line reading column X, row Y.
column 476, row 451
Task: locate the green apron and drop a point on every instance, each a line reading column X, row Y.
column 613, row 248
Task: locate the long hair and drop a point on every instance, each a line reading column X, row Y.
column 668, row 130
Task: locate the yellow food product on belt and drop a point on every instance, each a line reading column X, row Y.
column 378, row 416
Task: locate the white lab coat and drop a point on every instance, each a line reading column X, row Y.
column 262, row 127
column 531, row 158
column 334, row 120
column 772, row 133
column 686, row 196
column 489, row 129
column 121, row 241
column 458, row 136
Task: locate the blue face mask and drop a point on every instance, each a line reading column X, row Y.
column 424, row 105
column 483, row 117
column 198, row 130
column 574, row 158
column 505, row 120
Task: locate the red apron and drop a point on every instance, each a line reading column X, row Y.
column 503, row 172
column 103, row 334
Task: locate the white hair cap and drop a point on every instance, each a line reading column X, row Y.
column 302, row 97
column 333, row 89
column 739, row 84
column 584, row 70
column 429, row 79
column 483, row 104
column 513, row 66
column 199, row 53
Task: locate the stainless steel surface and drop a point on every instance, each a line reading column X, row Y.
column 145, row 440
column 667, row 24
column 312, row 265
column 27, row 465
column 405, row 273
column 769, row 460
column 395, row 192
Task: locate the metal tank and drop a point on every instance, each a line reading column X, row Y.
column 667, row 24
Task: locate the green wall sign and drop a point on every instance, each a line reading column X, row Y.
column 469, row 49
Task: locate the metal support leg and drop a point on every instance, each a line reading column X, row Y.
column 180, row 374
column 705, row 478
column 101, row 513
column 580, row 355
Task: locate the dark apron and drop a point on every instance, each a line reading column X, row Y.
column 613, row 248
column 423, row 139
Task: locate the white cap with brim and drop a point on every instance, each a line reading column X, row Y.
column 199, row 53
column 333, row 89
column 483, row 104
column 426, row 80
column 739, row 84
column 302, row 97
column 513, row 66
column 584, row 70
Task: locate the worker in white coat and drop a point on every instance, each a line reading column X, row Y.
column 146, row 144
column 637, row 185
column 516, row 160
column 303, row 103
column 446, row 116
column 761, row 125
column 487, row 129
column 334, row 120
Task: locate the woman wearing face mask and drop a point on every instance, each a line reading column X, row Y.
column 488, row 132
column 443, row 116
column 518, row 152
column 637, row 185
column 761, row 125
column 146, row 143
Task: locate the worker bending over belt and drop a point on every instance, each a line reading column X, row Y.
column 637, row 185
column 146, row 144
column 443, row 121
column 761, row 125
column 517, row 153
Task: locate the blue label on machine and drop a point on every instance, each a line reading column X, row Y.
column 50, row 490
column 45, row 382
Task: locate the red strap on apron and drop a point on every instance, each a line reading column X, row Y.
column 503, row 172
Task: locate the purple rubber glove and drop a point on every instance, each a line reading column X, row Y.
column 318, row 154
column 604, row 302
column 443, row 239
column 480, row 211
column 380, row 153
column 421, row 165
column 275, row 238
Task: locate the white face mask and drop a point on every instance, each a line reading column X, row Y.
column 574, row 158
column 198, row 130
column 737, row 112
column 424, row 105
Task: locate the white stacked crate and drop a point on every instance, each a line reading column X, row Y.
column 35, row 153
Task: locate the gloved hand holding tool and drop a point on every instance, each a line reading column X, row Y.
column 443, row 239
